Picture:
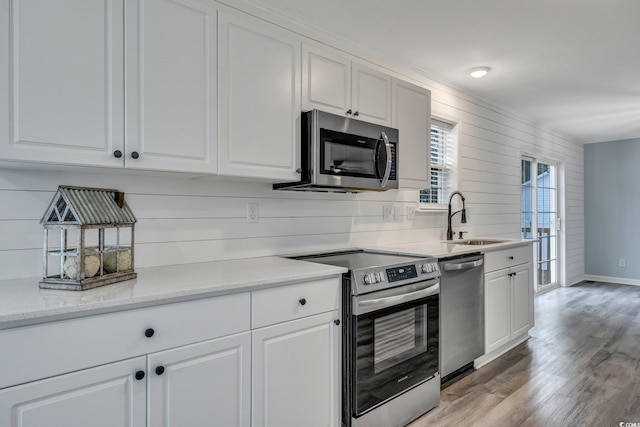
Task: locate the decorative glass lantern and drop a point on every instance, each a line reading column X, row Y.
column 88, row 239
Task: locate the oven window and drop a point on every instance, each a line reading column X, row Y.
column 393, row 349
column 398, row 337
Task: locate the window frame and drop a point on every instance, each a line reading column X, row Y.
column 454, row 135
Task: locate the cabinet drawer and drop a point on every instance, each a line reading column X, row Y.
column 275, row 305
column 505, row 258
column 40, row 351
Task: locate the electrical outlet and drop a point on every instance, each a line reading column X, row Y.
column 622, row 262
column 252, row 212
column 397, row 213
column 411, row 211
column 387, row 212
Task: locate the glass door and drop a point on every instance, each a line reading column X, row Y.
column 539, row 217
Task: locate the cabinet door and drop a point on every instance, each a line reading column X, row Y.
column 296, row 373
column 171, row 85
column 371, row 95
column 259, row 66
column 326, row 80
column 411, row 113
column 106, row 396
column 497, row 309
column 521, row 300
column 202, row 384
column 61, row 81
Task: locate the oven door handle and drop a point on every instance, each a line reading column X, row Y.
column 368, row 305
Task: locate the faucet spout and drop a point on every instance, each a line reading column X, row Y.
column 463, row 213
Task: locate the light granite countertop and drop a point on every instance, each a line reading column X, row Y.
column 444, row 249
column 22, row 302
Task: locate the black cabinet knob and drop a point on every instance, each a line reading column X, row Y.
column 302, row 301
column 511, row 258
column 139, row 375
column 356, row 114
column 160, row 370
column 149, row 333
column 337, row 321
column 349, row 111
column 134, row 155
column 117, row 154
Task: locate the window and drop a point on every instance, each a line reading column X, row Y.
column 443, row 164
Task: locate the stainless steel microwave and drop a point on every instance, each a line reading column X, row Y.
column 341, row 154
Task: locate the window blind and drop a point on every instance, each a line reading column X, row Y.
column 442, row 157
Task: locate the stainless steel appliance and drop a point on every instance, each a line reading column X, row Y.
column 342, row 154
column 390, row 337
column 462, row 314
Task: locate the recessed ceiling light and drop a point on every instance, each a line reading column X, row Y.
column 479, row 72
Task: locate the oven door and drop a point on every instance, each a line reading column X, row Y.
column 361, row 161
column 395, row 342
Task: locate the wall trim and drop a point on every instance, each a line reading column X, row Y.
column 618, row 280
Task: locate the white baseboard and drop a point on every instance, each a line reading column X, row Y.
column 620, row 280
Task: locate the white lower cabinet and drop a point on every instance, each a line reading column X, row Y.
column 203, row 384
column 170, row 365
column 296, row 373
column 106, row 396
column 265, row 358
column 508, row 298
column 296, row 354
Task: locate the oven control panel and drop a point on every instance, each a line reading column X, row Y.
column 402, row 273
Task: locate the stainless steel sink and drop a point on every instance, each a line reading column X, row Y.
column 476, row 242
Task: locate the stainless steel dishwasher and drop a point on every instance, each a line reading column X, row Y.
column 461, row 314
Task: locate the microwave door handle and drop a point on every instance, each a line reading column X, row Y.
column 387, row 170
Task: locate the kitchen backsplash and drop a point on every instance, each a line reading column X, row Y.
column 186, row 220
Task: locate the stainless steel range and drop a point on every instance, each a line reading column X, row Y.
column 390, row 336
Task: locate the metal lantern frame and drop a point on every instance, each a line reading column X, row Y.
column 81, row 209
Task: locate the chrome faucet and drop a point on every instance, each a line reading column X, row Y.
column 450, row 215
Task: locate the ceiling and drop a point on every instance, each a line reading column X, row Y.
column 572, row 66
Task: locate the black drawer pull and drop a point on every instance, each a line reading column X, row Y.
column 159, row 370
column 302, row 301
column 139, row 375
column 337, row 321
column 149, row 333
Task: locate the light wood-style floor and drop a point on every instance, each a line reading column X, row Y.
column 581, row 367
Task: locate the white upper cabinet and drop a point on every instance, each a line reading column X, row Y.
column 61, row 81
column 259, row 90
column 411, row 114
column 371, row 95
column 326, row 83
column 171, row 86
column 335, row 84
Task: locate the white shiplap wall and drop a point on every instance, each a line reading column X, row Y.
column 186, row 220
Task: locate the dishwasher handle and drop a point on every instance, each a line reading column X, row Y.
column 456, row 266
